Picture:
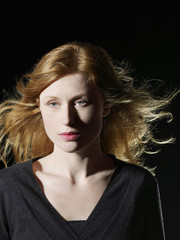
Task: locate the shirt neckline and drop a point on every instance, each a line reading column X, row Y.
column 36, row 185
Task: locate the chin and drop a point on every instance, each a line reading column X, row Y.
column 69, row 147
column 77, row 146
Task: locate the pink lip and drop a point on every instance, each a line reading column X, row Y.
column 69, row 136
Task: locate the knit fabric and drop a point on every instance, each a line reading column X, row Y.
column 129, row 208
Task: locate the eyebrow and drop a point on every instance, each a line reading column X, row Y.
column 74, row 97
column 54, row 97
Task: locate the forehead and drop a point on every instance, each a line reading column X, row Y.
column 70, row 85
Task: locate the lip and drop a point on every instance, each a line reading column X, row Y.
column 69, row 136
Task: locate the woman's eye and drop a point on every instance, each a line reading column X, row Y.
column 52, row 104
column 81, row 103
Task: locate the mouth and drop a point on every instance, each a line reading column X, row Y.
column 69, row 136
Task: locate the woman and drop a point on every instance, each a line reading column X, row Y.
column 75, row 115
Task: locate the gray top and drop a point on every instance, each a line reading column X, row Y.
column 129, row 208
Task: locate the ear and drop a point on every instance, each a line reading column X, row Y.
column 37, row 101
column 106, row 110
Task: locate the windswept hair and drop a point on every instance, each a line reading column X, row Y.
column 127, row 130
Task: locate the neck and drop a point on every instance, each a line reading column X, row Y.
column 79, row 165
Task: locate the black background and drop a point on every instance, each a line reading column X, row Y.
column 145, row 34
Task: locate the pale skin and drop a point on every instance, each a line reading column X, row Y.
column 75, row 175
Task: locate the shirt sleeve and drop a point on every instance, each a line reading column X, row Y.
column 4, row 229
column 153, row 218
column 4, row 234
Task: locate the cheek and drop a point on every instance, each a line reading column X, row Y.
column 49, row 123
column 89, row 115
column 92, row 120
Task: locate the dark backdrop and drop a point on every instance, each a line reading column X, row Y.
column 146, row 35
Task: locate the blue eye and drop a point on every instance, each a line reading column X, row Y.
column 52, row 104
column 81, row 103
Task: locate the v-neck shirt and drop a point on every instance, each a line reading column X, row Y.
column 128, row 209
column 77, row 225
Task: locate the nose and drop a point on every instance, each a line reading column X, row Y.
column 67, row 115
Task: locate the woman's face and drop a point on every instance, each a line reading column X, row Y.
column 72, row 112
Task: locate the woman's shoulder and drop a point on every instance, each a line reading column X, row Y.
column 136, row 174
column 17, row 171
